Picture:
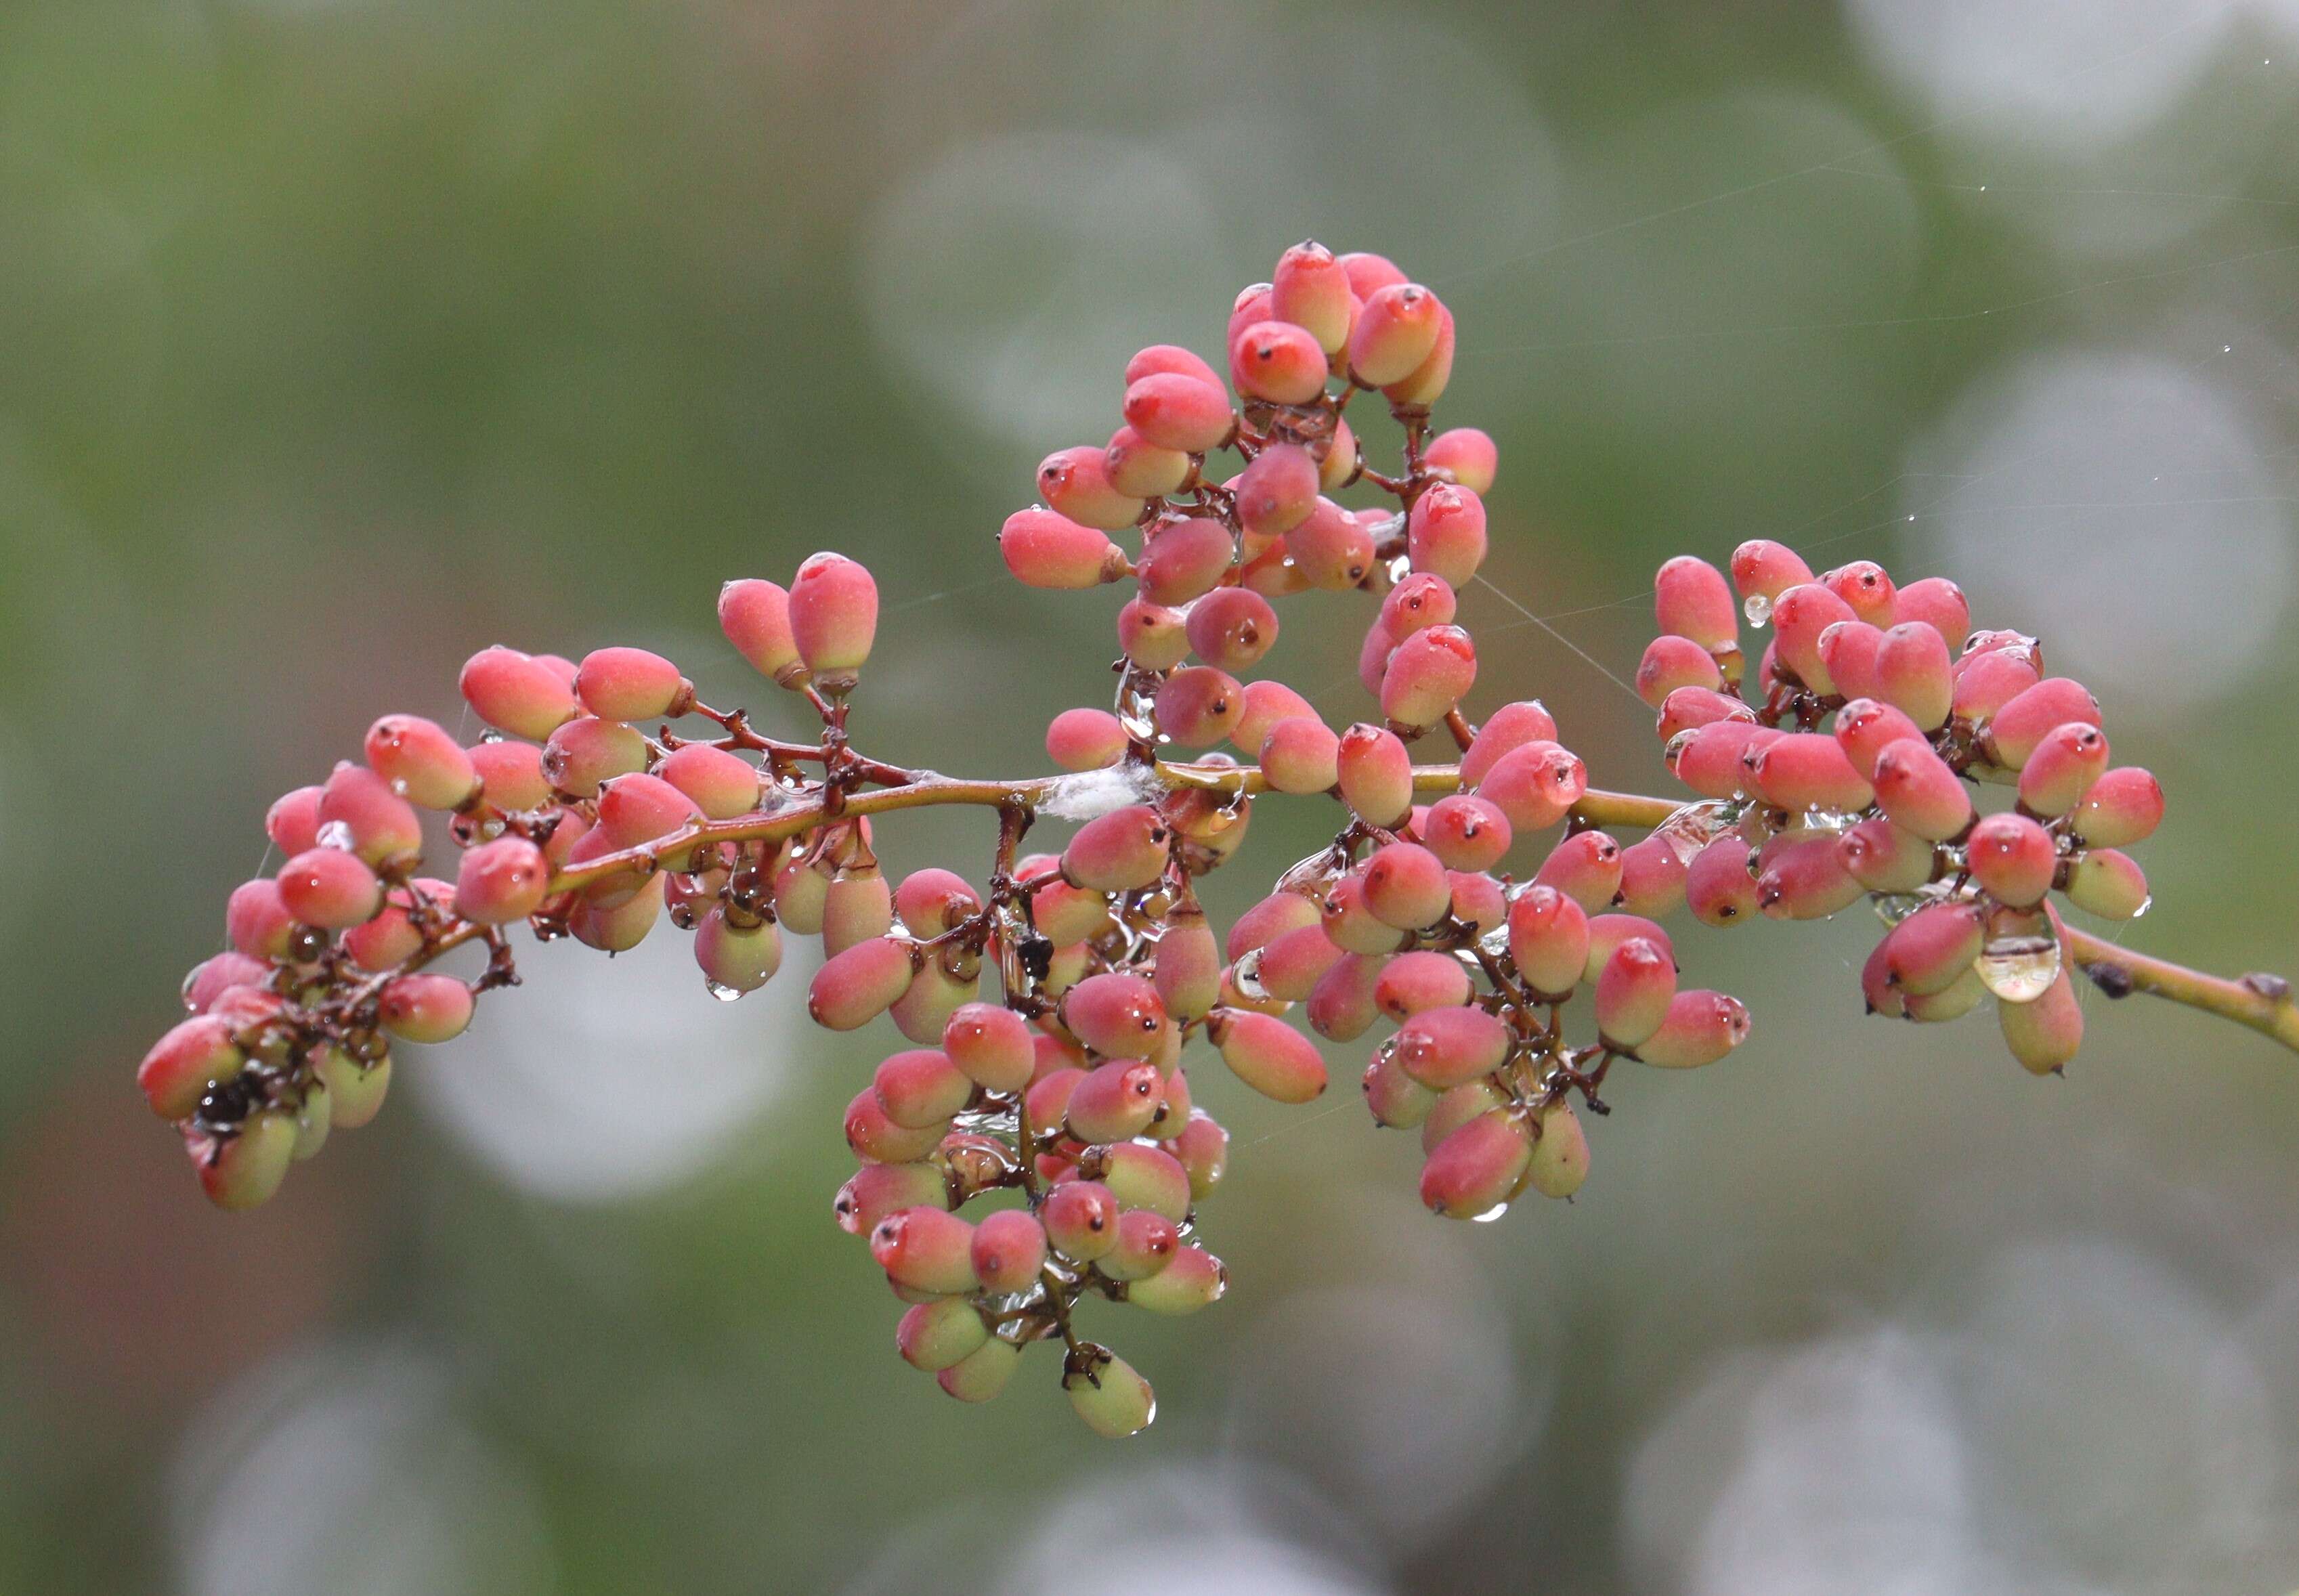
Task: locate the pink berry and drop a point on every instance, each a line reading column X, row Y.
column 511, row 776
column 938, row 1335
column 1169, row 358
column 1265, row 921
column 420, row 761
column 878, row 1190
column 1007, row 1251
column 1331, row 549
column 1718, row 888
column 1799, row 616
column 2063, row 768
column 1652, row 878
column 1231, row 629
column 1406, row 887
column 1192, row 1279
column 1197, row 705
column 1067, row 913
column 1548, row 940
column 1804, row 877
column 1512, row 726
column 1765, row 570
column 737, row 958
column 1422, row 385
column 1300, row 754
column 1634, row 990
column 1848, row 652
column 755, row 616
column 1268, row 1055
column 1444, row 1048
column 501, row 881
column 858, row 908
column 2045, row 1034
column 1187, row 965
column 1178, row 410
column 1076, row 483
column 1185, row 559
column 1585, row 867
column 1115, row 1102
column 1152, row 637
column 1277, row 490
column 1712, row 760
column 1311, row 289
column 1445, row 532
column 921, row 1087
column 1883, row 858
column 1292, row 963
column 1986, row 682
column 1427, row 675
column 1467, row 832
column 1701, row 1028
column 2124, row 806
column 1277, row 362
column 1044, row 548
column 2014, row 731
column 292, row 824
column 1864, row 728
column 833, row 612
column 1081, row 1219
column 1396, row 331
column 1864, row 587
column 242, row 1169
column 1375, row 774
column 1118, row 1015
column 854, row 987
column 875, row 1138
column 2012, row 859
column 719, row 785
column 257, row 919
column 1140, row 469
column 991, row 1045
column 618, row 927
column 1084, row 739
column 1807, row 770
column 196, row 1056
column 329, row 888
column 1936, row 602
column 424, row 1008
column 383, row 827
column 1918, row 791
column 584, row 755
column 1913, row 672
column 2108, row 883
column 1928, row 951
column 1423, row 599
column 1466, row 455
column 1120, row 851
column 1670, row 662
column 631, row 684
column 1476, row 1169
column 1691, row 599
column 517, row 693
column 926, row 1249
column 1535, row 786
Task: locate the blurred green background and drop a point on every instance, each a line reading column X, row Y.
column 341, row 338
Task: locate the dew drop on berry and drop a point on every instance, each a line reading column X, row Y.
column 722, row 992
column 1490, row 1215
column 2019, row 968
column 336, row 835
column 1757, row 608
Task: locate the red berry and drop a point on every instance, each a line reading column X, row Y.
column 424, row 1008
column 1475, row 1169
column 1711, row 759
column 1444, row 1048
column 1330, row 549
column 1007, row 1251
column 1406, row 887
column 1701, row 1028
column 1311, row 289
column 1115, row 1102
column 1185, row 559
column 1375, row 774
column 1762, row 570
column 1467, row 455
column 2012, row 859
column 755, row 616
column 1652, row 878
column 2124, row 806
column 1920, row 793
column 1426, row 979
column 292, row 824
column 926, row 1249
column 1076, row 483
column 833, row 612
column 1986, row 681
column 1267, row 1055
column 1691, row 599
column 1848, row 652
column 2014, row 731
column 1081, row 1219
column 1804, row 877
column 1864, row 728
column 420, row 761
column 1585, row 867
column 1863, row 586
column 1938, row 603
column 501, row 881
column 517, row 693
column 1548, row 940
column 257, row 919
column 1085, row 739
column 1718, row 888
column 1534, row 786
column 1799, row 616
column 329, row 888
column 1292, row 963
column 1197, row 705
column 1232, row 627
column 1177, row 410
column 1445, row 532
column 198, row 1055
column 1430, row 672
column 2063, row 768
column 1119, row 852
column 380, row 826
column 630, row 684
column 1807, row 770
column 1672, row 662
column 1276, row 491
column 1915, row 673
column 854, row 987
column 1633, row 992
column 1467, row 832
column 1118, row 1015
column 1352, row 927
column 1044, row 548
column 1396, row 332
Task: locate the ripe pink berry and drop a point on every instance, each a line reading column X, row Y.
column 517, row 693
column 1445, row 532
column 1300, row 754
column 939, row 1336
column 1918, row 791
column 1232, row 627
column 1928, row 951
column 1711, row 759
column 1535, row 786
column 1406, row 887
column 292, row 824
column 755, row 615
column 2013, row 732
column 1426, row 383
column 1396, row 332
column 1799, row 616
column 1423, row 599
column 1634, row 990
column 391, row 938
column 1807, row 770
column 1474, row 1171
column 420, row 761
column 1652, row 878
column 1455, row 1108
column 511, row 776
column 1119, row 852
column 1076, row 483
column 1938, row 603
column 1431, row 672
column 1168, row 358
column 1882, row 858
column 833, row 612
column 1585, row 867
column 584, row 755
column 1192, row 1278
column 858, row 906
column 424, row 1008
column 1081, row 1219
column 1277, row 490
column 1375, row 774
column 1069, row 914
column 1692, row 600
column 1044, row 548
column 933, row 901
column 2012, row 859
column 329, row 888
column 1701, row 1028
column 1178, row 410
column 1986, row 681
column 1265, row 921
column 991, row 1045
column 1277, row 362
column 1268, row 1055
column 1670, row 662
column 1291, row 965
column 1152, row 636
column 1185, row 559
column 1394, row 1098
column 1915, row 673
column 878, row 1190
column 1007, row 1251
column 2124, row 806
column 1146, row 1244
column 1118, row 1015
column 638, row 808
column 257, row 919
column 1084, row 739
column 719, row 785
column 2045, row 1034
column 1140, row 469
column 1467, row 832
column 1765, row 570
column 1187, row 966
column 1330, row 550
column 1864, row 728
column 501, row 881
column 1372, row 657
column 2107, row 883
column 920, row 1087
column 1467, row 455
column 631, row 684
column 1848, row 652
column 1718, row 888
column 1115, row 1102
column 1804, row 877
column 1412, row 981
column 1608, row 931
column 926, row 1249
column 1266, row 703
column 1444, row 1048
column 1197, row 705
column 737, row 958
column 196, row 1056
column 1864, row 586
column 617, row 928
column 1350, row 926
column 1548, row 940
column 2062, row 769
column 383, row 827
column 1311, row 289
column 854, row 987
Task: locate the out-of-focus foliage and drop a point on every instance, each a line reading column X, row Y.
column 339, row 337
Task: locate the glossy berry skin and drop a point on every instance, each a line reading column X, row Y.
column 1476, row 1169
column 925, row 1250
column 1920, row 793
column 1081, row 1219
column 2124, row 806
column 1445, row 532
column 1765, row 570
column 1865, row 727
column 1700, row 1027
column 2012, row 859
column 1396, row 332
column 1279, row 362
column 755, row 616
column 1118, row 851
column 1197, row 705
column 1423, row 599
column 2107, row 883
column 194, row 1057
column 1328, row 549
column 1007, row 1250
column 1670, row 662
column 1929, row 950
column 1882, row 858
column 381, row 827
column 1634, row 990
column 1311, row 289
column 518, row 694
column 720, row 786
column 1300, row 755
column 2017, row 729
column 1585, row 867
column 1043, row 548
column 1267, row 1055
column 2045, row 1034
column 833, row 610
column 501, row 882
column 1231, row 629
column 1466, row 832
column 1548, row 940
column 2062, row 769
column 1375, row 774
column 1076, row 483
column 585, row 754
column 1914, row 674
column 418, row 761
column 1534, row 786
column 854, row 987
column 424, row 1008
column 1406, row 887
column 1109, row 1394
column 1466, row 454
column 329, row 888
column 1118, row 1015
column 1691, row 599
column 630, row 684
column 1430, row 672
column 1718, row 888
column 1445, row 1048
column 1184, row 560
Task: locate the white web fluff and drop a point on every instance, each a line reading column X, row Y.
column 1089, row 794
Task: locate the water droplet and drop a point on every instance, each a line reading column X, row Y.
column 1892, row 908
column 2019, row 968
column 1490, row 1215
column 1494, row 942
column 1757, row 608
column 336, row 835
column 1246, row 976
column 2145, row 904
column 399, row 785
column 1399, row 569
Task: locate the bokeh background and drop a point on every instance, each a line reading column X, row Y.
column 340, row 337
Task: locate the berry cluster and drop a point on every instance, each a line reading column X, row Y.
column 1848, row 766
column 1056, row 1108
